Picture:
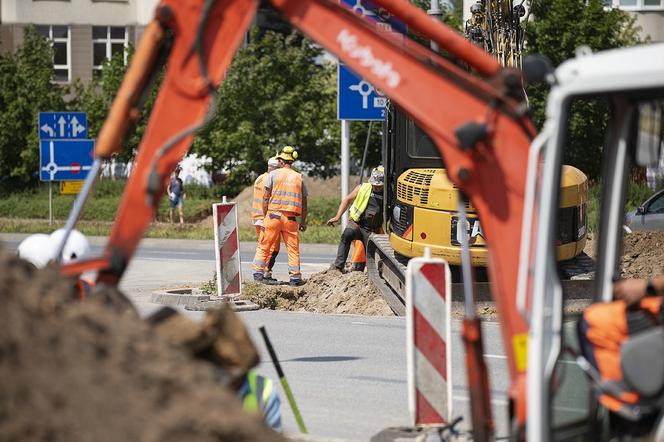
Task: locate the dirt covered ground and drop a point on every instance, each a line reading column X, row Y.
column 91, row 372
column 329, row 291
column 643, row 254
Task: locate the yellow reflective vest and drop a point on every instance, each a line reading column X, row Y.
column 361, row 202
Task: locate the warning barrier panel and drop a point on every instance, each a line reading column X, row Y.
column 428, row 312
column 227, row 249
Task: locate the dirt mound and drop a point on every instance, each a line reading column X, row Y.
column 326, row 292
column 643, row 254
column 80, row 372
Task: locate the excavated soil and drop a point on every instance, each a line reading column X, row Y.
column 329, row 291
column 643, row 254
column 93, row 372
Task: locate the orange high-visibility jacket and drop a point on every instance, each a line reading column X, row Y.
column 286, row 191
column 257, row 204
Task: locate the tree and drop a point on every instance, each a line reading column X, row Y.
column 277, row 92
column 26, row 88
column 558, row 29
column 96, row 98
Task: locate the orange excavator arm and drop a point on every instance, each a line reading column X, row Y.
column 479, row 128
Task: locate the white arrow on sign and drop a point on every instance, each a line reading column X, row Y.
column 48, row 129
column 76, row 127
column 62, row 122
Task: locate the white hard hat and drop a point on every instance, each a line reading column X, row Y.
column 37, row 249
column 273, row 162
column 77, row 246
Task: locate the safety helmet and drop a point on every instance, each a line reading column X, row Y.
column 77, row 246
column 273, row 162
column 288, row 153
column 377, row 176
column 37, row 249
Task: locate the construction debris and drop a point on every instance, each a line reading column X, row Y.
column 329, row 291
column 72, row 371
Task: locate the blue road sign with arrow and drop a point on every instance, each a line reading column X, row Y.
column 357, row 99
column 63, row 125
column 65, row 160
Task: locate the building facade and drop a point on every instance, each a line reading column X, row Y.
column 649, row 15
column 84, row 32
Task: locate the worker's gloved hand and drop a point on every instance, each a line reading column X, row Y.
column 303, row 226
column 631, row 291
column 171, row 196
column 331, row 221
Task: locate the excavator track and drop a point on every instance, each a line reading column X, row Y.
column 387, row 270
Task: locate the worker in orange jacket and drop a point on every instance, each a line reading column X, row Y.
column 258, row 217
column 604, row 327
column 284, row 199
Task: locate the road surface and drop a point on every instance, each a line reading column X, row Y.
column 348, row 372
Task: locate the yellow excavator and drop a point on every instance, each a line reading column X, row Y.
column 421, row 202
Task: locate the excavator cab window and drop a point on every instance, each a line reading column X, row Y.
column 575, row 413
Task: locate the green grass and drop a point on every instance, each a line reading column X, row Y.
column 313, row 235
column 101, row 206
column 27, row 212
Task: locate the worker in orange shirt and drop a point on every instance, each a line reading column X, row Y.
column 258, row 217
column 605, row 327
column 284, row 199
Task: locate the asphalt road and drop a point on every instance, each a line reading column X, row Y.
column 191, row 262
column 348, row 372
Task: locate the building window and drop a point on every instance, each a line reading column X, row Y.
column 61, row 41
column 106, row 42
column 637, row 5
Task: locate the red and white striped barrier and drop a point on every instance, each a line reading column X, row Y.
column 428, row 317
column 227, row 249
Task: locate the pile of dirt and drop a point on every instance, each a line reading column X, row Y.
column 643, row 254
column 72, row 371
column 329, row 291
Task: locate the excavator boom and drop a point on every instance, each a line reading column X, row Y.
column 481, row 131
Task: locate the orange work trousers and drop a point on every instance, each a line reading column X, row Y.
column 359, row 259
column 276, row 225
column 604, row 326
column 273, row 252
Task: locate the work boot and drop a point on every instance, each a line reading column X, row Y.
column 258, row 277
column 338, row 269
column 268, row 279
column 295, row 282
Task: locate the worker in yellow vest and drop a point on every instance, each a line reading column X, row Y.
column 284, row 199
column 257, row 217
column 366, row 215
column 259, row 396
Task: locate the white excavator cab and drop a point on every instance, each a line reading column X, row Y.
column 562, row 398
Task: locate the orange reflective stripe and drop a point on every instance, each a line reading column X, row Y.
column 286, row 192
column 257, row 203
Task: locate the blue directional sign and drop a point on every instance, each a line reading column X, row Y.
column 65, row 160
column 357, row 99
column 63, row 125
column 385, row 20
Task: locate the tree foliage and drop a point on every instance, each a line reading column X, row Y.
column 274, row 94
column 26, row 88
column 96, row 98
column 558, row 29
